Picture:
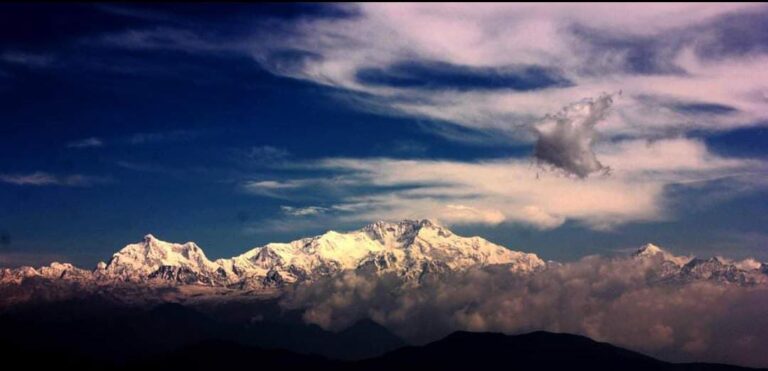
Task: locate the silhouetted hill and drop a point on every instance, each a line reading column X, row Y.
column 173, row 336
column 218, row 355
column 123, row 334
column 459, row 351
column 533, row 351
column 367, row 337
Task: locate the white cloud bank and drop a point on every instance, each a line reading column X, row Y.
column 515, row 190
column 614, row 300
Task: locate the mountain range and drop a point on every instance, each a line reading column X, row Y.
column 411, row 250
column 681, row 269
column 160, row 304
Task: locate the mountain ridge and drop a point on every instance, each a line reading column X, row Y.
column 538, row 350
column 460, row 350
column 681, row 269
column 412, row 250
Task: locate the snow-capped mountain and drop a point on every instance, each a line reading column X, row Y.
column 54, row 271
column 410, row 249
column 17, row 275
column 672, row 268
column 156, row 259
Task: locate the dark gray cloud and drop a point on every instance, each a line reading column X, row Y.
column 565, row 139
column 615, row 300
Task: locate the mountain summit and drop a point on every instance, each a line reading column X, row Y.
column 410, row 249
column 673, row 268
column 153, row 258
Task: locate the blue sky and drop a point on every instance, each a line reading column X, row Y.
column 561, row 131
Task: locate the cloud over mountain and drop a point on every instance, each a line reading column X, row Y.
column 422, row 281
column 620, row 300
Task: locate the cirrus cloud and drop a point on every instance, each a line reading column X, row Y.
column 40, row 178
column 91, row 142
column 504, row 66
column 664, row 50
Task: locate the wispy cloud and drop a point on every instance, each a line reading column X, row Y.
column 593, row 296
column 160, row 38
column 142, row 167
column 502, row 67
column 283, row 189
column 27, row 59
column 158, row 137
column 40, row 178
column 91, row 142
column 303, row 211
column 381, row 53
column 266, row 155
column 499, row 73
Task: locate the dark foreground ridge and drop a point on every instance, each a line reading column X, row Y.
column 174, row 337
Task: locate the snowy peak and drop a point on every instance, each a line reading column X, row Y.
column 412, row 250
column 409, row 249
column 402, row 233
column 154, row 258
column 724, row 271
column 54, row 271
column 60, row 270
column 649, row 249
column 672, row 268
